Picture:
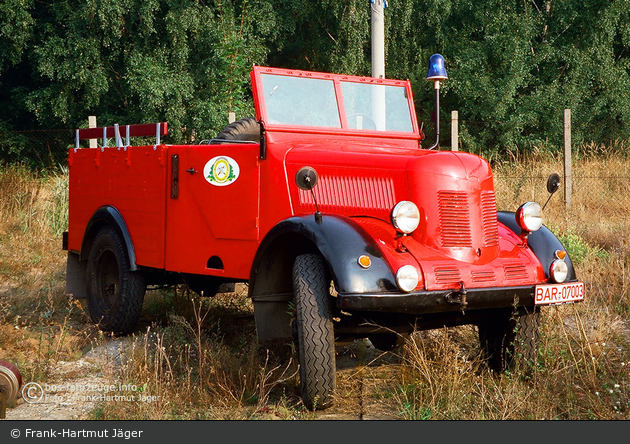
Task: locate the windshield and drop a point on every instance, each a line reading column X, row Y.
column 313, row 102
column 300, row 101
column 376, row 107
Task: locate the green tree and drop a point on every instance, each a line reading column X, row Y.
column 134, row 61
column 513, row 65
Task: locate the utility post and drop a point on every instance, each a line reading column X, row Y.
column 378, row 38
column 378, row 61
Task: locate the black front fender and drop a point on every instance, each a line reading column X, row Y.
column 338, row 239
column 542, row 242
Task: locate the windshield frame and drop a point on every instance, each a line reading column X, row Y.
column 258, row 72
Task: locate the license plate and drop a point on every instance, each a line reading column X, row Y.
column 559, row 293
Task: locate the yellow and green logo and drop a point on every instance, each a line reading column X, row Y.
column 221, row 171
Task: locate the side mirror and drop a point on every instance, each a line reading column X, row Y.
column 306, row 178
column 553, row 183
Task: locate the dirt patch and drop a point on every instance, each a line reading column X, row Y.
column 74, row 389
column 365, row 377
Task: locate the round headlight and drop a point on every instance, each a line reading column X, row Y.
column 529, row 216
column 405, row 216
column 407, row 278
column 559, row 270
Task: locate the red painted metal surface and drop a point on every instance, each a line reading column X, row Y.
column 227, row 198
column 134, row 182
column 208, row 220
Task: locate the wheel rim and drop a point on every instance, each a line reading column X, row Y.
column 107, row 280
column 10, row 381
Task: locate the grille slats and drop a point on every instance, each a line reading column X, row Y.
column 514, row 272
column 340, row 193
column 483, row 276
column 454, row 219
column 489, row 219
column 446, row 275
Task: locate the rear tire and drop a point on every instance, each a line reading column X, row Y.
column 386, row 341
column 115, row 293
column 243, row 129
column 511, row 343
column 316, row 341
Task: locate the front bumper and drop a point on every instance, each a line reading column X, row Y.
column 425, row 302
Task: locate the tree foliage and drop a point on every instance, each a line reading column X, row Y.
column 129, row 61
column 513, row 65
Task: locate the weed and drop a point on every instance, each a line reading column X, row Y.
column 201, row 358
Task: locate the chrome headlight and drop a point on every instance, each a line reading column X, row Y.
column 529, row 216
column 407, row 278
column 559, row 270
column 405, row 216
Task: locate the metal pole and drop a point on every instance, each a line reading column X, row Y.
column 378, row 38
column 378, row 63
column 567, row 158
column 436, row 87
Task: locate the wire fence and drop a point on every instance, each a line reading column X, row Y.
column 47, row 149
column 598, row 176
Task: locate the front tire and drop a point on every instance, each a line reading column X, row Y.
column 115, row 293
column 316, row 341
column 511, row 342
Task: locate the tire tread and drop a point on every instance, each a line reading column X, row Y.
column 315, row 332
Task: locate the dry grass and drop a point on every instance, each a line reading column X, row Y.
column 203, row 362
column 582, row 370
column 201, row 358
column 38, row 325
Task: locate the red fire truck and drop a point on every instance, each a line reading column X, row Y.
column 328, row 206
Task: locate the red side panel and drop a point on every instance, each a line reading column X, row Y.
column 212, row 223
column 134, row 182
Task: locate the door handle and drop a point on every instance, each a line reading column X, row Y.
column 174, row 176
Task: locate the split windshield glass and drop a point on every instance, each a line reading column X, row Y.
column 300, row 101
column 307, row 101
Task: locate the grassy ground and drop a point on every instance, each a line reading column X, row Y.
column 201, row 354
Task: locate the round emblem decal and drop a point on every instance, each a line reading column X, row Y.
column 221, row 171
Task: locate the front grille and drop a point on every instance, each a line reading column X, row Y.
column 489, row 219
column 454, row 219
column 339, row 193
column 446, row 275
column 483, row 276
column 515, row 272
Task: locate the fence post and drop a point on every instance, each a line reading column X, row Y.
column 92, row 124
column 567, row 158
column 231, row 117
column 454, row 131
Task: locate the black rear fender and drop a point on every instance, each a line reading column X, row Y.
column 77, row 261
